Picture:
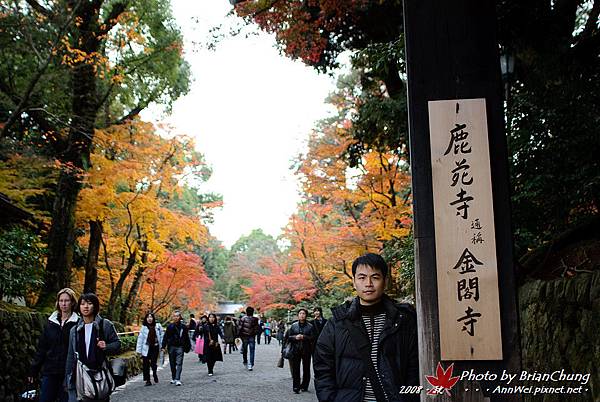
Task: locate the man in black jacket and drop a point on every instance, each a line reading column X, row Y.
column 247, row 330
column 368, row 349
column 177, row 340
column 301, row 336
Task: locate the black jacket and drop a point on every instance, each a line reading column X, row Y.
column 53, row 346
column 303, row 346
column 248, row 327
column 177, row 335
column 113, row 345
column 318, row 325
column 340, row 373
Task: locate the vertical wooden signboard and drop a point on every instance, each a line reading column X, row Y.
column 467, row 274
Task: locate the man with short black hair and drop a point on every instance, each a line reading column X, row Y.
column 177, row 341
column 192, row 324
column 247, row 330
column 300, row 335
column 368, row 349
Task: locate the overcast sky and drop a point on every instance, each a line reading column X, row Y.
column 250, row 111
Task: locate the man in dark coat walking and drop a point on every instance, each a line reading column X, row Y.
column 177, row 342
column 247, row 330
column 301, row 336
column 368, row 349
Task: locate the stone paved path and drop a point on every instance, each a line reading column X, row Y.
column 231, row 382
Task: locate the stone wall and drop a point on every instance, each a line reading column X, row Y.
column 560, row 329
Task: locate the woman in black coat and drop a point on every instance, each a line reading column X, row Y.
column 51, row 354
column 211, row 331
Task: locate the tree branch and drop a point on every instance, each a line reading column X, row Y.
column 591, row 24
column 38, row 75
column 39, row 8
column 111, row 19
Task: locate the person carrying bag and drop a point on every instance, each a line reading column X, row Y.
column 88, row 374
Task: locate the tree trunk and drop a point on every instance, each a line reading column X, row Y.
column 60, row 238
column 75, row 160
column 91, row 264
column 135, row 286
column 114, row 303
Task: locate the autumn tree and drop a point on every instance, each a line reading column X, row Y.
column 555, row 46
column 282, row 286
column 135, row 195
column 82, row 65
column 180, row 281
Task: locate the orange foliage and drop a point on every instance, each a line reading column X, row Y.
column 135, row 179
column 282, row 286
column 346, row 211
column 179, row 281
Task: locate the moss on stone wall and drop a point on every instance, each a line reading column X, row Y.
column 20, row 329
column 560, row 329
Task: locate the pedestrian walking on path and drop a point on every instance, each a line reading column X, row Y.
column 319, row 322
column 51, row 353
column 232, row 382
column 90, row 342
column 229, row 334
column 198, row 340
column 177, row 342
column 268, row 332
column 248, row 329
column 148, row 345
column 300, row 337
column 211, row 332
column 280, row 331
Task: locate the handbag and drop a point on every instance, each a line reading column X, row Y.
column 93, row 384
column 288, row 351
column 117, row 366
column 280, row 362
column 199, row 345
column 212, row 343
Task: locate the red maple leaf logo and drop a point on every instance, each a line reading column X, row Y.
column 442, row 381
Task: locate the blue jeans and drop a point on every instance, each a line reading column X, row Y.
column 52, row 389
column 251, row 341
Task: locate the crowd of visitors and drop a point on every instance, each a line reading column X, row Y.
column 363, row 353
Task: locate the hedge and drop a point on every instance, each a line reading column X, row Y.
column 20, row 330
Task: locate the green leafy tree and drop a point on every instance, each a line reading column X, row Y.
column 69, row 67
column 21, row 262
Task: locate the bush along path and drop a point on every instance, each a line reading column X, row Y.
column 232, row 382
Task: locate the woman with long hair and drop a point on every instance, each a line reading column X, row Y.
column 51, row 354
column 148, row 345
column 212, row 351
column 91, row 341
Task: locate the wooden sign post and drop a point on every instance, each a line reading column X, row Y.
column 466, row 304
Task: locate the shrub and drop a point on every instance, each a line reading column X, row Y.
column 21, row 261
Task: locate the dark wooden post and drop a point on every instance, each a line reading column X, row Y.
column 452, row 53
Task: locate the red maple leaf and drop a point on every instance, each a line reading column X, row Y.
column 442, row 381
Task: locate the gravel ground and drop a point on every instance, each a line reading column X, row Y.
column 230, row 383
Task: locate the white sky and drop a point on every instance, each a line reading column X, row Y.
column 250, row 111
